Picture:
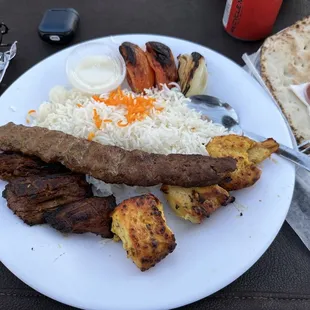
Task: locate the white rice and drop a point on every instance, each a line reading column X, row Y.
column 176, row 129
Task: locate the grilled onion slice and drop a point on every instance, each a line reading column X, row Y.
column 193, row 74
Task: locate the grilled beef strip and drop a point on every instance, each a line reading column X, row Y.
column 29, row 197
column 113, row 164
column 14, row 165
column 86, row 215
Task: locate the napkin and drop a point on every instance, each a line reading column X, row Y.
column 300, row 93
column 5, row 58
column 299, row 213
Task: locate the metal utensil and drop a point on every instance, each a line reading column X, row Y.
column 3, row 30
column 222, row 113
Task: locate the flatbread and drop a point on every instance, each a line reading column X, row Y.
column 285, row 60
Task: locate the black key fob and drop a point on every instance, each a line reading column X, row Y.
column 59, row 25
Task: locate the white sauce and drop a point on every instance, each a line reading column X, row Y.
column 94, row 72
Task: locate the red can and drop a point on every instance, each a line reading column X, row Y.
column 250, row 19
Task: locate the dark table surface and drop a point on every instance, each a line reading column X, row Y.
column 281, row 278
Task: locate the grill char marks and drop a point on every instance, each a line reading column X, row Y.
column 139, row 73
column 127, row 50
column 162, row 61
column 14, row 165
column 161, row 53
column 30, row 197
column 87, row 215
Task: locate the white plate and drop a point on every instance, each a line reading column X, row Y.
column 87, row 272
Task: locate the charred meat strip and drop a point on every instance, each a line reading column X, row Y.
column 86, row 215
column 162, row 61
column 113, row 164
column 30, row 197
column 139, row 73
column 13, row 165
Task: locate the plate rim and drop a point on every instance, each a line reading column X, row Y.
column 195, row 297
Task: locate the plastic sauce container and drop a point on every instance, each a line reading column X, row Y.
column 250, row 19
column 95, row 68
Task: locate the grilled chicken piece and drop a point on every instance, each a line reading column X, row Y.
column 139, row 73
column 262, row 150
column 162, row 61
column 30, row 197
column 13, row 165
column 141, row 225
column 197, row 203
column 86, row 215
column 247, row 153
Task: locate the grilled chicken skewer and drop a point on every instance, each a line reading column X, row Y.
column 196, row 203
column 248, row 154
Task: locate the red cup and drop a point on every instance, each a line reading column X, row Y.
column 250, row 19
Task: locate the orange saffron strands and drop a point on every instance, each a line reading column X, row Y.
column 137, row 108
column 79, row 105
column 97, row 120
column 29, row 113
column 91, row 136
column 159, row 109
column 97, row 98
column 107, row 120
column 120, row 124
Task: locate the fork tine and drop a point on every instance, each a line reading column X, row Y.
column 304, row 146
column 304, row 143
column 306, row 150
